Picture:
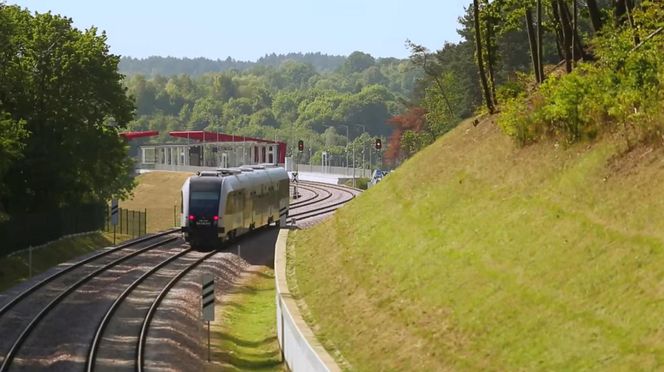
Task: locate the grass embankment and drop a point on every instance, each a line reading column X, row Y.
column 159, row 193
column 15, row 268
column 478, row 255
column 245, row 336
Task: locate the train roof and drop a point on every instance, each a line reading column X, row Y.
column 241, row 178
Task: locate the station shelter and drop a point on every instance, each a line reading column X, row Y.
column 212, row 149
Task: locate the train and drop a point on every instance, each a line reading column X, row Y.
column 218, row 206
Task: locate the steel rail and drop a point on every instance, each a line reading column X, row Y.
column 315, row 201
column 76, row 265
column 103, row 324
column 326, row 208
column 142, row 338
column 9, row 357
column 297, row 203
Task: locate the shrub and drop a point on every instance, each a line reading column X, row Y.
column 516, row 120
column 622, row 92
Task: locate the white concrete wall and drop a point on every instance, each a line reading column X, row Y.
column 301, row 350
column 340, row 172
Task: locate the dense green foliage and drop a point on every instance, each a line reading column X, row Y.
column 289, row 102
column 61, row 105
column 450, row 90
column 622, row 91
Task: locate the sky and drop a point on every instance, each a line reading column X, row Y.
column 249, row 29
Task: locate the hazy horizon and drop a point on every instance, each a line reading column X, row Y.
column 248, row 30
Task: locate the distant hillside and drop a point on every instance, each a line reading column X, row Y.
column 168, row 66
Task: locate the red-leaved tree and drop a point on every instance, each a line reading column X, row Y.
column 414, row 119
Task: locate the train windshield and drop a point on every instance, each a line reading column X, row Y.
column 204, row 199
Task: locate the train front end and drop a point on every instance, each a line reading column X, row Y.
column 201, row 214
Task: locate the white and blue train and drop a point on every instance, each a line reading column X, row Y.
column 220, row 205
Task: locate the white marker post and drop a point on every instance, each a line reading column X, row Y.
column 207, row 301
column 114, row 216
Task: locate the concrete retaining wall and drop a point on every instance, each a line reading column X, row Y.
column 300, row 349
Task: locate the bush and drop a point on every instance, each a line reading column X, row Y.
column 516, row 120
column 622, row 92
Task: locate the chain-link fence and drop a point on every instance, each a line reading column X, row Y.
column 130, row 222
column 21, row 231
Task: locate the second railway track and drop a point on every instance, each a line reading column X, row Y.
column 96, row 313
column 50, row 296
column 325, row 200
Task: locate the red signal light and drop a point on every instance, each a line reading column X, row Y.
column 191, row 217
column 216, row 218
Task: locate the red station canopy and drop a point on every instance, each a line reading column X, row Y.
column 134, row 135
column 200, row 135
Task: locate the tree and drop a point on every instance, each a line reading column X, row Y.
column 67, row 91
column 534, row 45
column 404, row 141
column 12, row 137
column 480, row 58
column 419, row 56
column 595, row 15
column 358, row 62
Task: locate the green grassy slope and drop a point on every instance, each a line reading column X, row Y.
column 15, row 269
column 159, row 194
column 245, row 337
column 476, row 254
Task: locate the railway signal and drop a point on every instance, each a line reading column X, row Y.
column 379, row 144
column 300, row 145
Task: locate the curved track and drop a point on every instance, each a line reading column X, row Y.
column 319, row 199
column 98, row 313
column 33, row 305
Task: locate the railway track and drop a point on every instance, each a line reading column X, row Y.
column 323, row 199
column 137, row 331
column 33, row 305
column 97, row 312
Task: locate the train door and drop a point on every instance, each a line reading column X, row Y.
column 258, row 207
column 239, row 211
column 270, row 203
column 229, row 218
column 249, row 209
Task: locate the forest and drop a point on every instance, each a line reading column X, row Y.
column 570, row 70
column 608, row 79
column 168, row 66
column 287, row 98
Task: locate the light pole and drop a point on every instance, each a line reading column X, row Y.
column 364, row 130
column 347, row 142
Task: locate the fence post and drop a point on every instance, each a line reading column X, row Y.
column 145, row 222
